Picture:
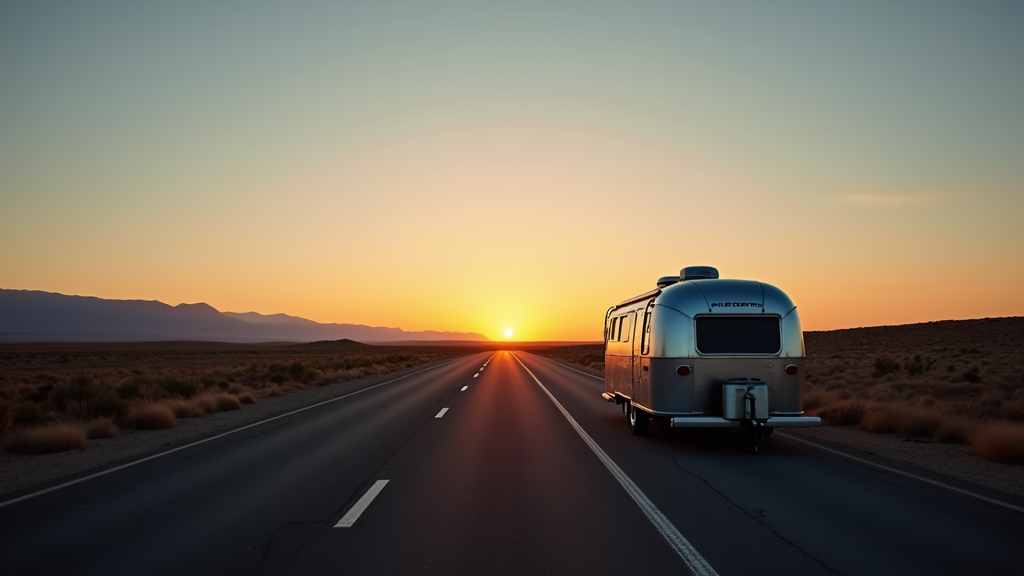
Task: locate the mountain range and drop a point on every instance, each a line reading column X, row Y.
column 34, row 316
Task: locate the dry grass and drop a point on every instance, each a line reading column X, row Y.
column 207, row 404
column 151, row 417
column 944, row 381
column 211, row 403
column 246, row 398
column 101, row 428
column 186, row 408
column 226, row 402
column 843, row 413
column 956, row 430
column 906, row 420
column 815, row 398
column 47, row 439
column 1000, row 442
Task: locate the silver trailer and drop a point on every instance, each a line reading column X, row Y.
column 704, row 352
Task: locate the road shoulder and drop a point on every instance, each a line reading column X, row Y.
column 952, row 460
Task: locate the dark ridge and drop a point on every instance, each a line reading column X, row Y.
column 344, row 343
column 938, row 337
column 36, row 316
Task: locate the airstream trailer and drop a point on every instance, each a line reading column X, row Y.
column 703, row 352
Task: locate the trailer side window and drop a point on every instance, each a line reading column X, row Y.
column 645, row 338
column 619, row 328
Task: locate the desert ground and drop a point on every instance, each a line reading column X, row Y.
column 944, row 396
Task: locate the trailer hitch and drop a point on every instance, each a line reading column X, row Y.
column 755, row 426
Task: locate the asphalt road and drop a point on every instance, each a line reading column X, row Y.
column 518, row 467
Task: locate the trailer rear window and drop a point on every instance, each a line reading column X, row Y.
column 738, row 335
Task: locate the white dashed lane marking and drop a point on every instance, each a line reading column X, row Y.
column 441, row 413
column 360, row 506
column 464, row 388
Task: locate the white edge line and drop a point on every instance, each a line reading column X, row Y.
column 211, row 438
column 694, row 561
column 1006, row 505
column 441, row 413
column 909, row 475
column 601, row 378
column 361, row 505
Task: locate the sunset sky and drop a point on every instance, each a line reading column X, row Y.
column 481, row 167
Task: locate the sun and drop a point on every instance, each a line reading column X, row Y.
column 508, row 332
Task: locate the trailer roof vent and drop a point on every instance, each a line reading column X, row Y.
column 667, row 281
column 698, row 273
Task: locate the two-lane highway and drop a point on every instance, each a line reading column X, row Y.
column 503, row 464
column 502, row 485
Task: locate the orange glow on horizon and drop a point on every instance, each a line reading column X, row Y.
column 471, row 185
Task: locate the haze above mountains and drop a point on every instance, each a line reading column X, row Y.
column 36, row 316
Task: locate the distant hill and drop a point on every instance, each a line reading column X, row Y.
column 34, row 316
column 943, row 338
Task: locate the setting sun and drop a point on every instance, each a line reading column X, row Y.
column 508, row 332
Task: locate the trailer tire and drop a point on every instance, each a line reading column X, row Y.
column 638, row 420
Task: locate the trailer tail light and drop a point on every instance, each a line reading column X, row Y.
column 791, row 370
column 684, row 370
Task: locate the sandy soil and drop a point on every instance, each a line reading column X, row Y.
column 20, row 472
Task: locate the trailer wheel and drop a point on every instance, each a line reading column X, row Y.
column 638, row 420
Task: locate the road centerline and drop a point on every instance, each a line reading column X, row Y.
column 441, row 413
column 694, row 561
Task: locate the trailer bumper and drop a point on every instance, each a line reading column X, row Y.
column 719, row 422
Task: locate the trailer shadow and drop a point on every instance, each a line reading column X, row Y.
column 692, row 440
column 703, row 441
column 707, row 441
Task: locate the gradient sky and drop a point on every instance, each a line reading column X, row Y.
column 475, row 166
